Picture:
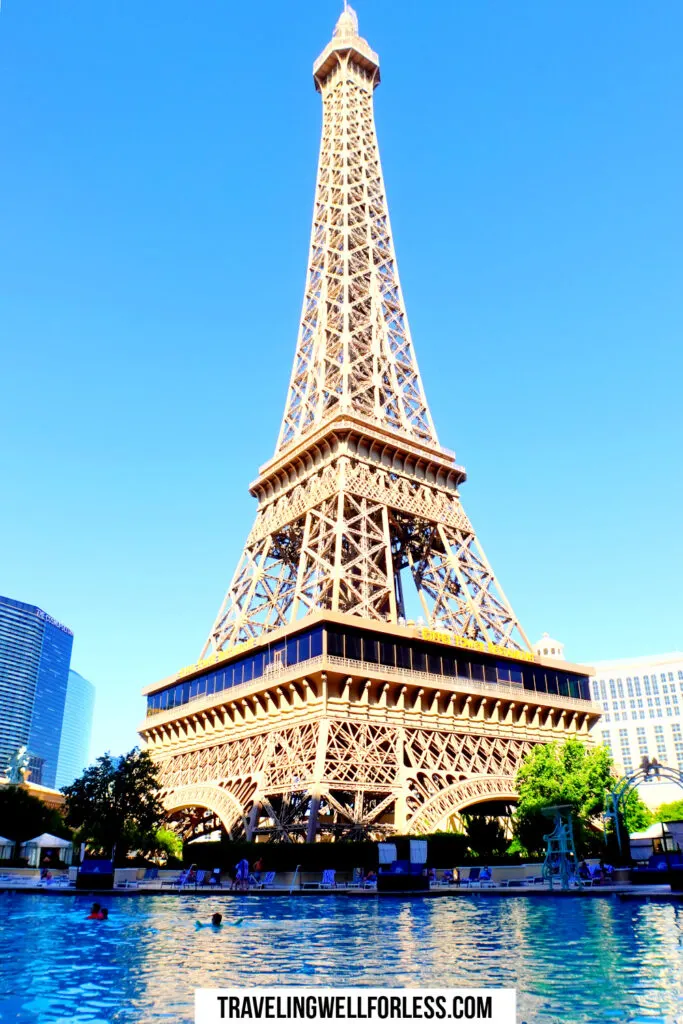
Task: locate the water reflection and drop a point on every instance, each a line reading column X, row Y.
column 579, row 961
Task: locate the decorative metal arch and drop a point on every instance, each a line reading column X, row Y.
column 217, row 800
column 459, row 796
column 626, row 785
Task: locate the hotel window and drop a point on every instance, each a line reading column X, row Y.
column 605, row 718
column 629, row 687
column 622, row 705
column 612, row 689
column 663, row 677
column 620, row 688
column 603, row 689
column 617, row 716
column 655, row 685
column 671, row 677
column 680, row 674
column 636, row 683
column 659, row 740
column 647, row 686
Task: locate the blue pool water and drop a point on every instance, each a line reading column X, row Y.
column 573, row 961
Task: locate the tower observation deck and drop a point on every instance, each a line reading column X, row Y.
column 318, row 705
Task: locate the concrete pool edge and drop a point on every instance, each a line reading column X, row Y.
column 659, row 892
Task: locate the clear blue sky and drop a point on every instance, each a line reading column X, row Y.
column 157, row 167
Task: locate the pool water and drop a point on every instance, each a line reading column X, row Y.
column 573, row 961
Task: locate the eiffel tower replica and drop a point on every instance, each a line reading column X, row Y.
column 366, row 674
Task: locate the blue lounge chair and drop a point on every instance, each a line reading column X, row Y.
column 180, row 880
column 473, row 878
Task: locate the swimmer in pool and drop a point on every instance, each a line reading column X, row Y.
column 95, row 913
column 217, row 922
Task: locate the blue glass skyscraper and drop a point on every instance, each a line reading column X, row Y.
column 75, row 739
column 35, row 651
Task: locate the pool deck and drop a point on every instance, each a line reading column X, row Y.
column 661, row 893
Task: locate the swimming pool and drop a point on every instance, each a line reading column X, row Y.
column 573, row 961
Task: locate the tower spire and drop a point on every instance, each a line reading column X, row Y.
column 359, row 493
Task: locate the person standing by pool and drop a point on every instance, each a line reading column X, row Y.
column 242, row 877
column 258, row 868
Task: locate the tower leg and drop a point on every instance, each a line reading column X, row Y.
column 251, row 821
column 313, row 819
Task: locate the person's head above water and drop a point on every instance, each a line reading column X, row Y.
column 95, row 909
column 104, row 913
column 216, row 920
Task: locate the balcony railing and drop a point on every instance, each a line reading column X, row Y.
column 453, row 684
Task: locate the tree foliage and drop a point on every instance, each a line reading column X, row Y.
column 571, row 774
column 115, row 803
column 485, row 836
column 23, row 816
column 636, row 815
column 165, row 845
column 670, row 812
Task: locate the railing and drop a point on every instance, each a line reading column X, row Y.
column 460, row 684
column 454, row 684
column 210, row 700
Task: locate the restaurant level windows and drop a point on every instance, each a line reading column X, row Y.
column 370, row 650
column 403, row 659
column 335, row 643
column 292, row 651
column 387, row 653
column 316, row 638
column 353, row 647
column 449, row 665
column 419, row 659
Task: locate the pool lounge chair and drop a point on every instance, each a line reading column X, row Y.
column 263, row 883
column 473, row 878
column 179, row 880
column 326, row 882
column 200, row 879
column 150, row 875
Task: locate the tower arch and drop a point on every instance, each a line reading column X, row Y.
column 213, row 798
column 459, row 797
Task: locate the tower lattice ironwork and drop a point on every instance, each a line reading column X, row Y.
column 359, row 488
column 359, row 502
